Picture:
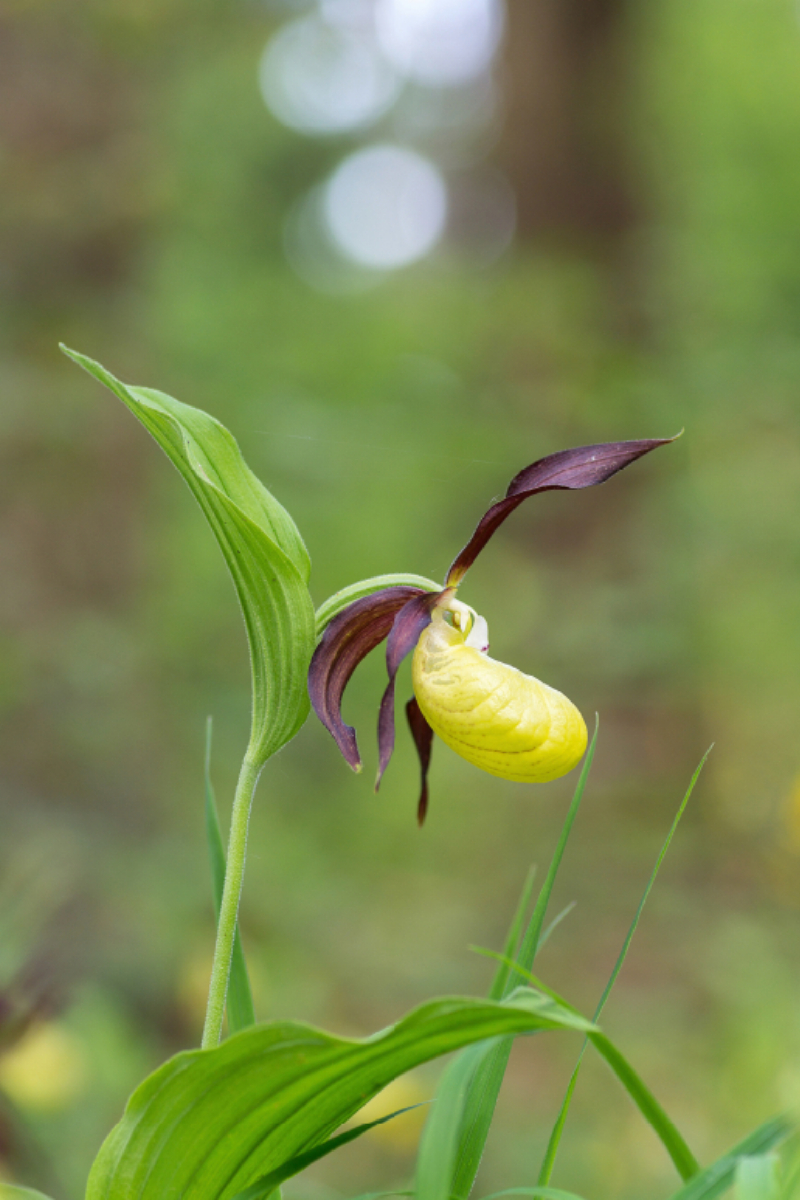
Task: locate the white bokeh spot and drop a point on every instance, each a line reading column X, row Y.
column 323, row 78
column 385, row 207
column 439, row 42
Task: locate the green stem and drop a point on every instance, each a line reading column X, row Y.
column 229, row 909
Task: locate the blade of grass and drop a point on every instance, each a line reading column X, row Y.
column 548, row 1163
column 439, row 1143
column 545, row 1193
column 554, row 924
column 530, row 942
column 758, row 1177
column 682, row 1157
column 267, row 1184
column 792, row 1179
column 685, row 1162
column 503, row 973
column 716, row 1179
column 380, row 1195
column 241, row 1012
column 487, row 1080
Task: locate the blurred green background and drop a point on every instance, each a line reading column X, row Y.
column 653, row 284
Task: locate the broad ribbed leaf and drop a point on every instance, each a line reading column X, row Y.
column 263, row 1188
column 261, row 544
column 209, row 1123
column 715, row 1180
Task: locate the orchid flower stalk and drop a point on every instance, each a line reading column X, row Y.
column 501, row 720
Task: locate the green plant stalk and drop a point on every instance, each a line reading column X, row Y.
column 229, row 909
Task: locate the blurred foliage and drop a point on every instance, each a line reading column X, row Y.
column 145, row 189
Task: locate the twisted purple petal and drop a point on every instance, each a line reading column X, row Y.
column 348, row 639
column 423, row 740
column 581, row 467
column 408, row 625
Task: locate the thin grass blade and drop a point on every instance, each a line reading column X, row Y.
column 713, row 1181
column 503, row 973
column 792, row 1185
column 536, row 1193
column 265, row 1186
column 380, row 1195
column 554, row 924
column 684, row 1161
column 440, row 1138
column 530, row 942
column 488, row 1078
column 240, row 1008
column 758, row 1177
column 548, row 1163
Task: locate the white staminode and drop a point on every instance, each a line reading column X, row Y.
column 472, row 624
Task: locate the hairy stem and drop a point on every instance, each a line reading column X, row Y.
column 229, row 909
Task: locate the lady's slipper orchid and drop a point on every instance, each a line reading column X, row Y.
column 507, row 723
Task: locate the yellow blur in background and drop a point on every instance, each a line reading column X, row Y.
column 46, row 1070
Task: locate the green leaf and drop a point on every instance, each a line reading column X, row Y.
column 440, row 1138
column 503, row 973
column 241, row 1011
column 548, row 1163
column 715, row 1180
column 380, row 1195
column 556, row 921
column 267, row 1184
column 209, row 1123
column 537, row 1193
column 758, row 1177
column 488, row 1078
column 8, row 1191
column 336, row 603
column 261, row 545
column 684, row 1161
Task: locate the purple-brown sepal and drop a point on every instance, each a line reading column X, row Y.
column 406, row 629
column 423, row 740
column 348, row 639
column 581, row 467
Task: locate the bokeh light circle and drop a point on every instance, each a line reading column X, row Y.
column 385, row 206
column 321, row 78
column 439, row 42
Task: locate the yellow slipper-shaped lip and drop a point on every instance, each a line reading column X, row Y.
column 503, row 721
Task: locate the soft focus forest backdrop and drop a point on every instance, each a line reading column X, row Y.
column 157, row 215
